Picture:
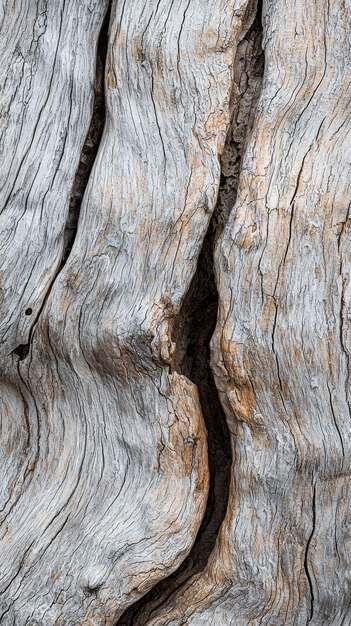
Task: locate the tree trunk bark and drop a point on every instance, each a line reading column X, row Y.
column 161, row 186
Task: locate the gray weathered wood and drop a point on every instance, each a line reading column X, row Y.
column 103, row 449
column 281, row 352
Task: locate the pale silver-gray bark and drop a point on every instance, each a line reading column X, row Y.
column 103, row 446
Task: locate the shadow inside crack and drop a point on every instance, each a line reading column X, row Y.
column 195, row 325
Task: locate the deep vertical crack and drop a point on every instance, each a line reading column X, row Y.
column 92, row 141
column 86, row 161
column 195, row 325
column 308, row 575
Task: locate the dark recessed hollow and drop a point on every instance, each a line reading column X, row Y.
column 193, row 330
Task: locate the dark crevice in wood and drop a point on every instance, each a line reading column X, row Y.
column 87, row 158
column 22, row 350
column 192, row 334
column 306, row 567
column 194, row 328
column 92, row 141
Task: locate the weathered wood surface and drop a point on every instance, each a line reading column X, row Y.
column 281, row 352
column 103, row 451
column 103, row 447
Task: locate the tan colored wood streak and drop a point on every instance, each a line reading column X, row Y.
column 282, row 346
column 118, row 484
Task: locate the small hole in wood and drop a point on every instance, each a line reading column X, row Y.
column 29, row 311
column 22, row 350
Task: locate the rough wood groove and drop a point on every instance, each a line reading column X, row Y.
column 195, row 326
column 281, row 351
column 87, row 157
column 46, row 105
column 112, row 137
column 92, row 141
column 104, row 451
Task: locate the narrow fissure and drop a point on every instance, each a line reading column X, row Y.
column 195, row 326
column 86, row 161
column 92, row 141
column 308, row 575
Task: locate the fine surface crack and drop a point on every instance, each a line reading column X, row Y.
column 194, row 328
column 308, row 575
column 86, row 161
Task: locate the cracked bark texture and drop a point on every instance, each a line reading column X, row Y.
column 106, row 197
column 281, row 349
column 196, row 323
column 104, row 447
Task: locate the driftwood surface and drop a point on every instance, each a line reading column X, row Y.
column 168, row 167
